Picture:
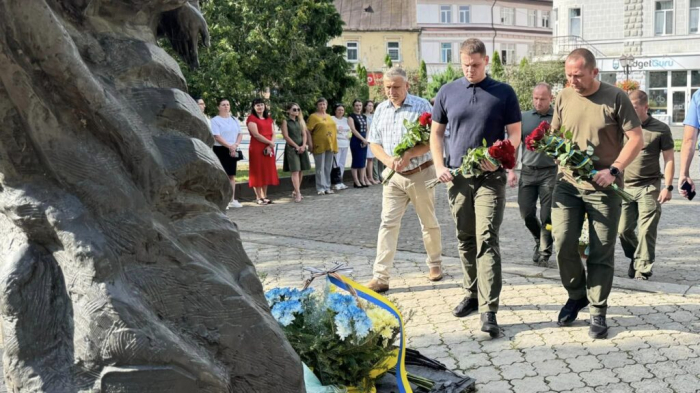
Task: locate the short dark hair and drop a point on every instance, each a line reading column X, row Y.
column 545, row 85
column 472, row 46
column 355, row 101
column 336, row 106
column 364, row 107
column 220, row 100
column 320, row 100
column 639, row 95
column 585, row 54
column 257, row 101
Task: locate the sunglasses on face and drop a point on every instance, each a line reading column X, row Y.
column 295, row 109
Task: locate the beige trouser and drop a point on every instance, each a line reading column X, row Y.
column 395, row 198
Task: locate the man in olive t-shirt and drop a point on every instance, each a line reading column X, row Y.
column 600, row 116
column 643, row 182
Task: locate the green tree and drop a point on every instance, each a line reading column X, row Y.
column 421, row 82
column 524, row 77
column 361, row 90
column 440, row 79
column 524, row 63
column 497, row 71
column 387, row 61
column 280, row 45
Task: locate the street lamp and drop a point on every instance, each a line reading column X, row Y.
column 626, row 63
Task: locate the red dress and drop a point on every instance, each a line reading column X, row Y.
column 263, row 169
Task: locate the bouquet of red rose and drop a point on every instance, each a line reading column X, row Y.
column 501, row 153
column 418, row 134
column 560, row 146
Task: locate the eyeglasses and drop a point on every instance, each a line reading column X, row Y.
column 295, row 109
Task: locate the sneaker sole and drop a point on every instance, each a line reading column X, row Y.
column 598, row 336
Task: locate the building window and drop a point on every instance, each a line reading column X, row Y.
column 507, row 16
column 464, row 14
column 532, row 18
column 393, row 49
column 663, row 17
column 445, row 14
column 608, row 77
column 508, row 53
column 658, row 92
column 446, row 52
column 545, row 18
column 352, row 52
column 575, row 22
column 694, row 15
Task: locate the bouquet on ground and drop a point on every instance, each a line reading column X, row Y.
column 561, row 147
column 501, row 153
column 418, row 134
column 347, row 343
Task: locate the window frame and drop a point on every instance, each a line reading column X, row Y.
column 545, row 17
column 446, row 14
column 665, row 13
column 531, row 18
column 443, row 48
column 690, row 16
column 580, row 21
column 398, row 50
column 465, row 14
column 506, row 58
column 356, row 49
column 504, row 16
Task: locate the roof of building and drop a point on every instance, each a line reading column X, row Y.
column 377, row 15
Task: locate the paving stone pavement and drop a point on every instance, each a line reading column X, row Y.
column 653, row 346
column 352, row 216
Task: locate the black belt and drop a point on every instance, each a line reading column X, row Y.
column 539, row 167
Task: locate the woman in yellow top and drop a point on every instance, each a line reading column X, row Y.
column 323, row 144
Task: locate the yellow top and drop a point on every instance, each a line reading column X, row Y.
column 323, row 133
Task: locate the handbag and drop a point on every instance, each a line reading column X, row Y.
column 239, row 155
column 335, row 173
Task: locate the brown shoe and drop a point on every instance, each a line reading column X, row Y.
column 377, row 286
column 435, row 274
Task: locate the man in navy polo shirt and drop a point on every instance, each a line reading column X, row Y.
column 476, row 107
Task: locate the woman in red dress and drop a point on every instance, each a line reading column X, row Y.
column 261, row 154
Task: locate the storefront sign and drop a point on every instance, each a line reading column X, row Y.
column 652, row 64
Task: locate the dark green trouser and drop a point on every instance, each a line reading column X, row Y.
column 534, row 184
column 569, row 204
column 645, row 212
column 477, row 206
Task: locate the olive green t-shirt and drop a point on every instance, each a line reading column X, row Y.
column 599, row 120
column 645, row 169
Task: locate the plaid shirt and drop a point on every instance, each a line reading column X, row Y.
column 387, row 125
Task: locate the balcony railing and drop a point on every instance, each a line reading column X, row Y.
column 560, row 46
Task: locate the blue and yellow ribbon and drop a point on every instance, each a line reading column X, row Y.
column 384, row 303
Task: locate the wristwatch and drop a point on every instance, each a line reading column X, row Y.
column 669, row 187
column 614, row 171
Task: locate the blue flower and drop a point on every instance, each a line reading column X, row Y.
column 278, row 294
column 284, row 312
column 339, row 302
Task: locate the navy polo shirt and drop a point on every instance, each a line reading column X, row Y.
column 474, row 111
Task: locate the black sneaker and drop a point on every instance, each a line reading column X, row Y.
column 536, row 252
column 630, row 270
column 467, row 306
column 489, row 324
column 543, row 261
column 568, row 314
column 598, row 329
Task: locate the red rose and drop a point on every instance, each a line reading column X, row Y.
column 426, row 119
column 531, row 142
column 504, row 152
column 544, row 125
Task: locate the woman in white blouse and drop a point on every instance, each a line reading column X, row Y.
column 343, row 137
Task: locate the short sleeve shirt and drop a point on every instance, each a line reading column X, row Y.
column 226, row 127
column 692, row 116
column 599, row 120
column 323, row 133
column 645, row 170
column 532, row 119
column 474, row 112
column 387, row 125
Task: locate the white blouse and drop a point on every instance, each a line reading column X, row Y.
column 344, row 133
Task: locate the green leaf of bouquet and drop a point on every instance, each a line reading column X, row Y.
column 483, row 142
column 568, row 135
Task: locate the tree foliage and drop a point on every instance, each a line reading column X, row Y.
column 524, row 77
column 450, row 74
column 387, row 61
column 497, row 71
column 280, row 45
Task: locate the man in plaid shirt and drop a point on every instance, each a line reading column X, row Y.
column 413, row 169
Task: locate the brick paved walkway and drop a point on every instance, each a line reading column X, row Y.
column 654, row 342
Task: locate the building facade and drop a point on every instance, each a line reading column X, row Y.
column 662, row 36
column 375, row 29
column 512, row 28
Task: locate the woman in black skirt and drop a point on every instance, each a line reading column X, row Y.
column 227, row 136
